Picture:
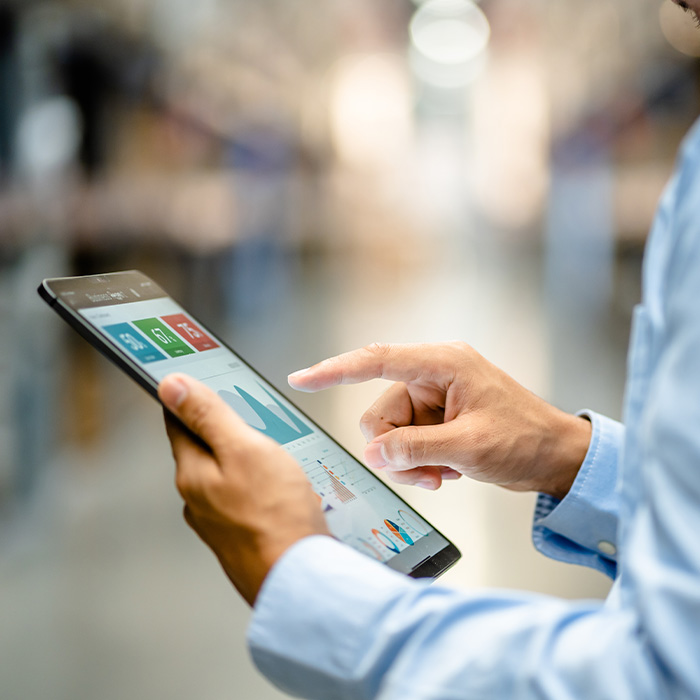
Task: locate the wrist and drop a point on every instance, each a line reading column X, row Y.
column 571, row 439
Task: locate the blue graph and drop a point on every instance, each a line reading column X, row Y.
column 272, row 419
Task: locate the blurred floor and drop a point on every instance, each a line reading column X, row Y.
column 106, row 594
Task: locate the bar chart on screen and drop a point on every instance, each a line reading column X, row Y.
column 334, row 490
column 346, row 470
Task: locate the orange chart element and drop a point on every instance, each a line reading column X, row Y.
column 368, row 549
column 398, row 532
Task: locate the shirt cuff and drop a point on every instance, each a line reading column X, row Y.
column 582, row 527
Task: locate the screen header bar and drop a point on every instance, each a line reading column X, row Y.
column 104, row 290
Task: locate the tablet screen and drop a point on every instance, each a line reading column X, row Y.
column 160, row 337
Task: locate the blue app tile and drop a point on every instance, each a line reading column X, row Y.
column 141, row 348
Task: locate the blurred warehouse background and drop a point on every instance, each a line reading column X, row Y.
column 306, row 177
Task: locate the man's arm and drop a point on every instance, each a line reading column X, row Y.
column 331, row 624
column 641, row 643
column 252, row 505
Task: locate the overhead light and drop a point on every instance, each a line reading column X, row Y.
column 448, row 41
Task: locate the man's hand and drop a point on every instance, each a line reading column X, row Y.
column 246, row 498
column 451, row 412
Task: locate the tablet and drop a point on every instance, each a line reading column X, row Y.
column 138, row 326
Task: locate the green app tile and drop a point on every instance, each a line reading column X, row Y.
column 161, row 334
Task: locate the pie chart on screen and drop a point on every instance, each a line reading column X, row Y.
column 398, row 531
column 369, row 549
column 384, row 539
column 412, row 522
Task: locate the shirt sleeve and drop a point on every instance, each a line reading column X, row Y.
column 582, row 527
column 332, row 624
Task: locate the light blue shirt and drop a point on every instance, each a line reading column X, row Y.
column 330, row 623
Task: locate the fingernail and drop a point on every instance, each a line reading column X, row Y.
column 451, row 476
column 427, row 484
column 299, row 373
column 374, row 455
column 173, row 391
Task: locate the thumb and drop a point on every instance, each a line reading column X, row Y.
column 205, row 413
column 419, row 446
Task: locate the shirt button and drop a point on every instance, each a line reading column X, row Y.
column 607, row 548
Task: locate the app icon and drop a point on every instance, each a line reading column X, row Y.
column 163, row 337
column 127, row 336
column 190, row 331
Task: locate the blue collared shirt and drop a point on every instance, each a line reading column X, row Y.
column 330, row 623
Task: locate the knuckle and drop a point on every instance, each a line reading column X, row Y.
column 185, row 485
column 460, row 357
column 189, row 517
column 380, row 350
column 461, row 346
column 369, row 421
column 412, row 448
column 460, row 350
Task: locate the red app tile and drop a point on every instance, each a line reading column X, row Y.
column 190, row 331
